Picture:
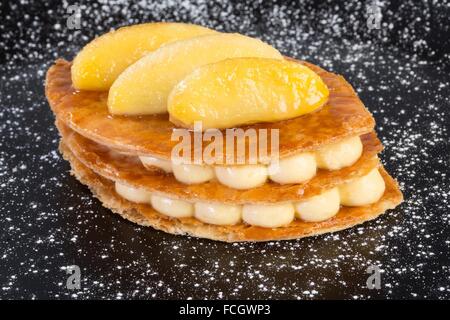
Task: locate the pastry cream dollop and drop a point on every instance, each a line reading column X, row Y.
column 361, row 191
column 297, row 168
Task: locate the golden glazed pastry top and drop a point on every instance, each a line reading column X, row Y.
column 86, row 112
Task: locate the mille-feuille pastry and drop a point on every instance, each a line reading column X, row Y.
column 119, row 103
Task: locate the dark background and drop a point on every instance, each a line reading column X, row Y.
column 49, row 221
column 37, row 29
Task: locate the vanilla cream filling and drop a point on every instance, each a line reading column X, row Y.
column 162, row 164
column 319, row 208
column 218, row 213
column 192, row 173
column 172, row 207
column 363, row 191
column 359, row 192
column 268, row 216
column 242, row 177
column 295, row 169
column 339, row 155
column 133, row 194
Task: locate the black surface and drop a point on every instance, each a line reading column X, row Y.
column 48, row 220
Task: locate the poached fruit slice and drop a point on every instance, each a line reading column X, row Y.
column 241, row 91
column 101, row 61
column 144, row 87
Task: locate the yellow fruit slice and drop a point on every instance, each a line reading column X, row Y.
column 143, row 88
column 242, row 91
column 103, row 59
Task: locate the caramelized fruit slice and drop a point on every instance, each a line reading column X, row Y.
column 241, row 91
column 143, row 88
column 103, row 59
